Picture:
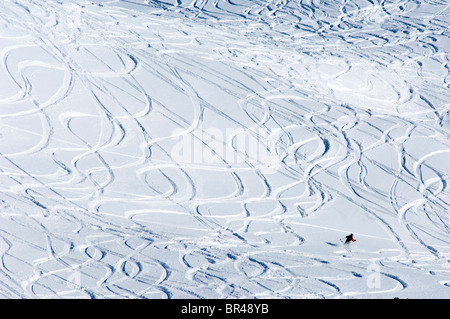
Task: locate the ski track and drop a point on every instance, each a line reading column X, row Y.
column 95, row 95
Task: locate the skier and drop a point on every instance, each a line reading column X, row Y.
column 349, row 239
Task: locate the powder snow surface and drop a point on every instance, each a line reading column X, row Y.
column 224, row 148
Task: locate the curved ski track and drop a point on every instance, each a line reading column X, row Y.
column 96, row 95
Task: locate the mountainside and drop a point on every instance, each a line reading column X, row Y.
column 224, row 148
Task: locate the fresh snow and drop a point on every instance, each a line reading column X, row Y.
column 224, row 148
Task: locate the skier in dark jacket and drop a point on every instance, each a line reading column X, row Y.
column 349, row 239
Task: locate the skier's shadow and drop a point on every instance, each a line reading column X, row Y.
column 332, row 244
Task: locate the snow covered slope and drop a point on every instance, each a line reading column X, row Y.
column 223, row 148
